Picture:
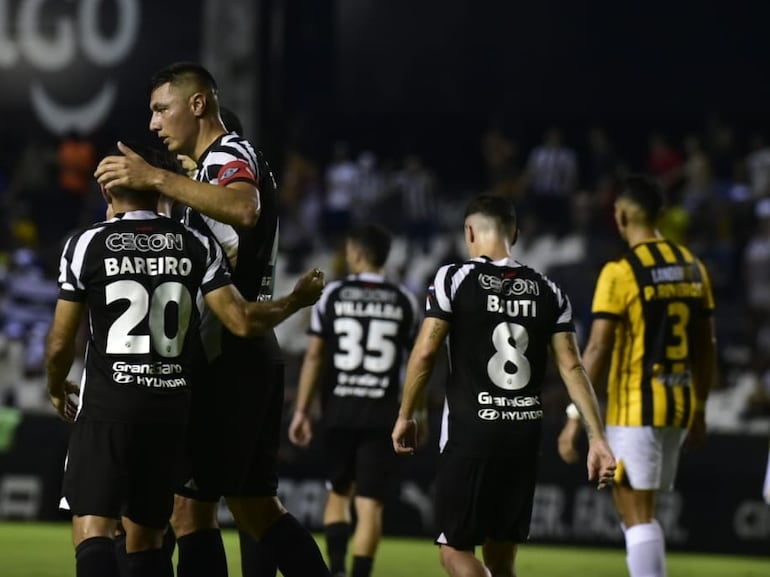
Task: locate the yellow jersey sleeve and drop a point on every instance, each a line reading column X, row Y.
column 614, row 290
column 708, row 294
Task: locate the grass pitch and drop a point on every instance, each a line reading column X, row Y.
column 45, row 550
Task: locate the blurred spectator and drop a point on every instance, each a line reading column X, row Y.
column 27, row 307
column 341, row 180
column 698, row 186
column 601, row 160
column 757, row 266
column 300, row 209
column 500, row 155
column 663, row 160
column 758, row 165
column 722, row 150
column 552, row 177
column 370, row 187
column 417, row 184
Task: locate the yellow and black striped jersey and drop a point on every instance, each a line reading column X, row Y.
column 655, row 292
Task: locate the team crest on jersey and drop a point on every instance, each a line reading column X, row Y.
column 229, row 172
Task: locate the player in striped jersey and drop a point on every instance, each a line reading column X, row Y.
column 653, row 327
column 360, row 333
column 500, row 317
column 138, row 275
column 236, row 414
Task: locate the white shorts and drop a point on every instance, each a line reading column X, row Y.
column 647, row 457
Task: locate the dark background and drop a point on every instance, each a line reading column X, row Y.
column 430, row 76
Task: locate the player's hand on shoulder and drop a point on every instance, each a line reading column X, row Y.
column 567, row 443
column 300, row 430
column 309, row 287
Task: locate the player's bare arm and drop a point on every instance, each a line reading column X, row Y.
column 575, row 377
column 601, row 462
column 236, row 204
column 246, row 319
column 60, row 353
column 418, row 371
column 598, row 352
column 300, row 429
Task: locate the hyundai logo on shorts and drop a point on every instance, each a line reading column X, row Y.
column 489, row 414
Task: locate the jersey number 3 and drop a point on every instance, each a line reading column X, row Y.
column 508, row 368
column 120, row 341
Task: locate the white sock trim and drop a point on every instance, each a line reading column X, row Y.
column 643, row 533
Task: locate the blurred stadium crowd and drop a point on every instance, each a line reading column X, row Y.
column 717, row 181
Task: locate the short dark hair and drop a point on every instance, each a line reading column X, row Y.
column 374, row 241
column 157, row 157
column 179, row 71
column 499, row 208
column 645, row 192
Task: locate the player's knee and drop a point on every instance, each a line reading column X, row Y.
column 369, row 510
column 190, row 516
column 256, row 515
column 144, row 539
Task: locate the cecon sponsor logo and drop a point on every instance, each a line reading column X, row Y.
column 508, row 286
column 118, row 241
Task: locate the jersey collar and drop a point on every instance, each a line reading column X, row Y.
column 368, row 276
column 137, row 215
column 507, row 261
column 214, row 143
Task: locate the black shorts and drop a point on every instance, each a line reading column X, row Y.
column 483, row 498
column 124, row 469
column 361, row 456
column 235, row 431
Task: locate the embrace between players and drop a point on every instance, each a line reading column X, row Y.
column 186, row 304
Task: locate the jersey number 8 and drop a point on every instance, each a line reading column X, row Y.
column 508, row 368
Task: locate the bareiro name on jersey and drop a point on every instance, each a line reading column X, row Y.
column 150, row 265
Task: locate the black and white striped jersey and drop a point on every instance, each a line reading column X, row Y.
column 502, row 315
column 250, row 251
column 368, row 326
column 139, row 274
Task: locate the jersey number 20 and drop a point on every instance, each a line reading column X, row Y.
column 120, row 341
column 509, row 368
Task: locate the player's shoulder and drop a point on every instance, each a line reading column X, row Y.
column 532, row 280
column 451, row 271
column 233, row 145
column 88, row 233
column 334, row 286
